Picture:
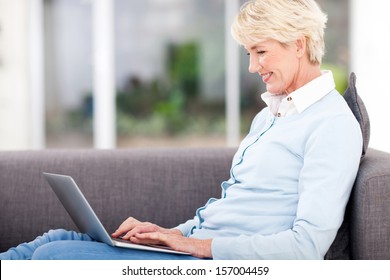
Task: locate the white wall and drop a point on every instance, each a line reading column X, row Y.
column 14, row 79
column 370, row 60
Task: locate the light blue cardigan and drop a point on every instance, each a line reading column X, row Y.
column 290, row 182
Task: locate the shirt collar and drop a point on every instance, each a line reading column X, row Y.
column 305, row 96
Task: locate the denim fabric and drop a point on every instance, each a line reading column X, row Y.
column 69, row 245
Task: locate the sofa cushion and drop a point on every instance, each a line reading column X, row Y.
column 359, row 110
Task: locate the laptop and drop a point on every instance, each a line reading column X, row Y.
column 85, row 218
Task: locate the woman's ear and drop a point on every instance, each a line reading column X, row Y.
column 300, row 45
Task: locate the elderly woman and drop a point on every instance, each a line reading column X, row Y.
column 292, row 175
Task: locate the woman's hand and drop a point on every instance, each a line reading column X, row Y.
column 148, row 233
column 130, row 227
column 196, row 247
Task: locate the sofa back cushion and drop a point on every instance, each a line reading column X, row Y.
column 359, row 110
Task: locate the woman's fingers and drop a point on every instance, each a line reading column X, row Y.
column 196, row 247
column 150, row 238
column 126, row 226
column 141, row 228
column 132, row 226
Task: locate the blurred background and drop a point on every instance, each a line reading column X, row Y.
column 143, row 73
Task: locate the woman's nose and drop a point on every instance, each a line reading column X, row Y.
column 253, row 65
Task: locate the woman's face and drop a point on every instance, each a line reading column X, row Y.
column 277, row 64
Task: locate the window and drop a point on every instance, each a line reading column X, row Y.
column 169, row 71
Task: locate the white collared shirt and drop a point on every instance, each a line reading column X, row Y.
column 283, row 105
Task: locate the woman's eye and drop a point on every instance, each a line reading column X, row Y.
column 258, row 52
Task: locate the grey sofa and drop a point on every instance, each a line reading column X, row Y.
column 166, row 186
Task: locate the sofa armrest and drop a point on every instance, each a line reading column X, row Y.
column 370, row 208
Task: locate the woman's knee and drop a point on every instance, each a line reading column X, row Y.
column 71, row 250
column 49, row 251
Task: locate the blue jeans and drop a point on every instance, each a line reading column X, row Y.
column 69, row 245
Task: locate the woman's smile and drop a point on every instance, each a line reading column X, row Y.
column 266, row 77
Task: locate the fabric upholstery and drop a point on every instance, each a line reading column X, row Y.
column 164, row 186
column 359, row 110
column 370, row 208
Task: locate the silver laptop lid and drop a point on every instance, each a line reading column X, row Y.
column 77, row 206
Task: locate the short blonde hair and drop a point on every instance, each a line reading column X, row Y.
column 284, row 21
